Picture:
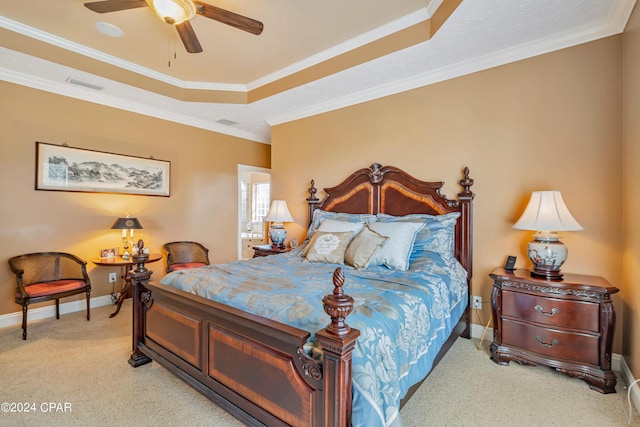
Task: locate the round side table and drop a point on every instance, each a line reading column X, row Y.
column 126, row 265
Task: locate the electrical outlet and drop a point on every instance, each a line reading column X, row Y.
column 113, row 277
column 477, row 302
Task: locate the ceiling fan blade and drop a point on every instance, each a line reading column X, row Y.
column 115, row 5
column 188, row 37
column 226, row 17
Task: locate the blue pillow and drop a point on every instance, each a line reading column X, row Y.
column 395, row 253
column 437, row 236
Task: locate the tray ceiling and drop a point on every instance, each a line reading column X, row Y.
column 312, row 57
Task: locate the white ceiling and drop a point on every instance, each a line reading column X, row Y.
column 298, row 34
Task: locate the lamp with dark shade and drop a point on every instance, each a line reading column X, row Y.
column 278, row 213
column 126, row 223
column 547, row 214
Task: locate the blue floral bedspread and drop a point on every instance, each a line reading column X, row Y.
column 404, row 317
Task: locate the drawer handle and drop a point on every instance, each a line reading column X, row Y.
column 554, row 311
column 544, row 344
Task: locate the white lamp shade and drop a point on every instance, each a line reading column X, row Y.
column 546, row 211
column 173, row 12
column 278, row 212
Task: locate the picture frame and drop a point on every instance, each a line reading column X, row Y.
column 109, row 253
column 64, row 168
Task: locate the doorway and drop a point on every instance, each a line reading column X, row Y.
column 254, row 199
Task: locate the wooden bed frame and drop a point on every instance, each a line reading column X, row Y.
column 256, row 368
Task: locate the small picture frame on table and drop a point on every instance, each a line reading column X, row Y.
column 109, row 253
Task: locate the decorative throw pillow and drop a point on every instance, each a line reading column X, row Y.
column 333, row 225
column 438, row 235
column 395, row 252
column 328, row 247
column 319, row 216
column 362, row 248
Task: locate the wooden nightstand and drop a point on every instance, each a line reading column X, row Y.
column 567, row 325
column 266, row 250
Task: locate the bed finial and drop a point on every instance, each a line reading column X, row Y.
column 312, row 201
column 140, row 258
column 338, row 282
column 466, row 184
column 338, row 306
column 312, row 192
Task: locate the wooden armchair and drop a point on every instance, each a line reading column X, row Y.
column 185, row 254
column 46, row 276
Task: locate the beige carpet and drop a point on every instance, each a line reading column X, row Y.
column 81, row 369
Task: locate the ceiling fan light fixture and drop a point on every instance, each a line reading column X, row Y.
column 173, row 12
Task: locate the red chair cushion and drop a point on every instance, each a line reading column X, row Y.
column 186, row 265
column 56, row 287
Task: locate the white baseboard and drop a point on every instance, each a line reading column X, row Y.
column 627, row 379
column 478, row 330
column 12, row 319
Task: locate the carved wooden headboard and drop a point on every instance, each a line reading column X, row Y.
column 390, row 190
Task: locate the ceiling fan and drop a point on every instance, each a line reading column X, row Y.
column 178, row 13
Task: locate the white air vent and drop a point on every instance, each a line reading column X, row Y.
column 84, row 84
column 226, row 122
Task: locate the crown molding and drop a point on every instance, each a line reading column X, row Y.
column 354, row 43
column 60, row 42
column 614, row 25
column 351, row 44
column 97, row 97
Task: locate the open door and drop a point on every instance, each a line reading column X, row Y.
column 254, row 199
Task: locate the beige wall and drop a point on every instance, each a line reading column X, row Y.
column 557, row 121
column 203, row 173
column 631, row 178
column 550, row 122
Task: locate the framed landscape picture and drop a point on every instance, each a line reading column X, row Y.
column 65, row 168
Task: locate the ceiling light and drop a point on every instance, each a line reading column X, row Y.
column 173, row 12
column 109, row 29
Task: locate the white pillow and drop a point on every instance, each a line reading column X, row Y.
column 396, row 251
column 332, row 226
column 319, row 215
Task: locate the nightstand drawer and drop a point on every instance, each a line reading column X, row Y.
column 551, row 342
column 551, row 311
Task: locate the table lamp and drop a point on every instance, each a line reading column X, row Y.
column 278, row 213
column 125, row 223
column 547, row 214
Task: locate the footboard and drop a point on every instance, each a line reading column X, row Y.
column 254, row 368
